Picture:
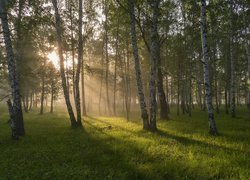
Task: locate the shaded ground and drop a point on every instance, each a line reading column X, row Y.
column 112, row 148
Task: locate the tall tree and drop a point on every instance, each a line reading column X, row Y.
column 13, row 76
column 116, row 63
column 154, row 58
column 144, row 112
column 79, row 65
column 232, row 60
column 211, row 120
column 59, row 33
column 106, row 10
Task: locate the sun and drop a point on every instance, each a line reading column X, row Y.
column 53, row 57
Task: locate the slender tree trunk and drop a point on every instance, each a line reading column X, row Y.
column 78, row 69
column 215, row 76
column 34, row 100
column 52, row 98
column 100, row 96
column 13, row 123
column 154, row 59
column 233, row 108
column 166, row 76
column 178, row 99
column 161, row 94
column 25, row 105
column 127, row 83
column 178, row 87
column 144, row 113
column 46, row 101
column 211, row 120
column 84, row 111
column 67, row 70
column 27, row 101
column 204, row 97
column 31, row 100
column 226, row 101
column 62, row 69
column 107, row 57
column 116, row 61
column 72, row 49
column 102, row 75
column 15, row 91
column 42, row 96
column 80, row 48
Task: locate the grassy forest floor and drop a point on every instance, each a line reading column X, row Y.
column 112, row 148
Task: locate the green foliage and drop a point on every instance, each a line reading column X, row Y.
column 112, row 148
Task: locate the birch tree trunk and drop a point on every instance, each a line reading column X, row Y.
column 15, row 91
column 154, row 58
column 42, row 96
column 107, row 56
column 102, row 75
column 31, row 100
column 62, row 70
column 72, row 46
column 78, row 69
column 52, row 98
column 211, row 120
column 127, row 82
column 232, row 62
column 116, row 62
column 84, row 111
column 144, row 113
column 13, row 123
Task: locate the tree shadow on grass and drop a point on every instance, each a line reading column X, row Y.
column 173, row 168
column 76, row 155
column 183, row 140
column 92, row 153
column 133, row 156
column 188, row 141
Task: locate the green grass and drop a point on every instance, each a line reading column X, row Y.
column 181, row 149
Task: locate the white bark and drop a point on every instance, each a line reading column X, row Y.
column 144, row 113
column 154, row 57
column 211, row 120
column 13, row 76
column 78, row 69
column 62, row 69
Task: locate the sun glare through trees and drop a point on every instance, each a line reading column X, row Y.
column 53, row 57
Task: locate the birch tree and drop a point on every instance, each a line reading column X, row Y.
column 144, row 112
column 62, row 69
column 79, row 65
column 13, row 76
column 212, row 126
column 154, row 58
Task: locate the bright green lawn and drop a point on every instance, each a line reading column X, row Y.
column 182, row 149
